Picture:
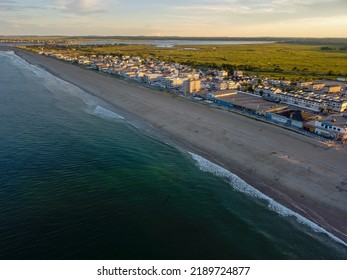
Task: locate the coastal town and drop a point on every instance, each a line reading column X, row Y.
column 313, row 108
column 16, row 41
column 173, row 139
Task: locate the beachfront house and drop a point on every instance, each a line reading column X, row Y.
column 329, row 130
column 297, row 118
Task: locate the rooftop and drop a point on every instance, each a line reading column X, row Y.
column 251, row 102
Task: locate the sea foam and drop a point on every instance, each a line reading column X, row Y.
column 104, row 113
column 48, row 79
column 238, row 184
column 53, row 82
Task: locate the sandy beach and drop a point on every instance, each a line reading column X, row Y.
column 294, row 170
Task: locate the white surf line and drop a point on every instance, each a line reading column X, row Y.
column 241, row 186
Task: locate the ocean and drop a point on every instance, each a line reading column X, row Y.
column 79, row 181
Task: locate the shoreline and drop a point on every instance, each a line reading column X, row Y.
column 296, row 171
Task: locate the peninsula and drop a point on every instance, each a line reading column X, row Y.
column 297, row 171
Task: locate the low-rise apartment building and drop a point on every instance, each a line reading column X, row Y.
column 191, row 86
column 307, row 100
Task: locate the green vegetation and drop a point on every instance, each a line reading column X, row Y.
column 288, row 61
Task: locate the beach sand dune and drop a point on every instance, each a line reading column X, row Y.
column 295, row 170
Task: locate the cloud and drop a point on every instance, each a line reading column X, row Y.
column 259, row 17
column 175, row 17
column 300, row 2
column 81, row 7
column 250, row 14
column 14, row 6
column 66, row 6
column 7, row 5
column 227, row 7
column 249, row 7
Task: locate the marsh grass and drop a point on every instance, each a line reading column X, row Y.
column 268, row 60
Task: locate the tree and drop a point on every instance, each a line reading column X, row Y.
column 250, row 88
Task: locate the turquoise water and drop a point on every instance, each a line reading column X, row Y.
column 79, row 182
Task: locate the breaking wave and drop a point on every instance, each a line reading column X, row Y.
column 55, row 84
column 103, row 113
column 49, row 80
column 238, row 184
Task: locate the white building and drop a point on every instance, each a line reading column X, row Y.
column 223, row 74
column 329, row 130
column 238, row 73
column 338, row 105
column 172, row 83
column 302, row 101
column 307, row 101
column 151, row 78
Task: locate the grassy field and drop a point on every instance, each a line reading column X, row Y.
column 277, row 60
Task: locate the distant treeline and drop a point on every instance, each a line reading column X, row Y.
column 315, row 41
column 333, row 48
column 293, row 40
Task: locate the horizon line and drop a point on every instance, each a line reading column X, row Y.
column 173, row 36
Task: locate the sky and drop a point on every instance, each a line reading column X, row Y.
column 218, row 18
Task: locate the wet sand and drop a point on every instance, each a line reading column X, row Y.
column 296, row 171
